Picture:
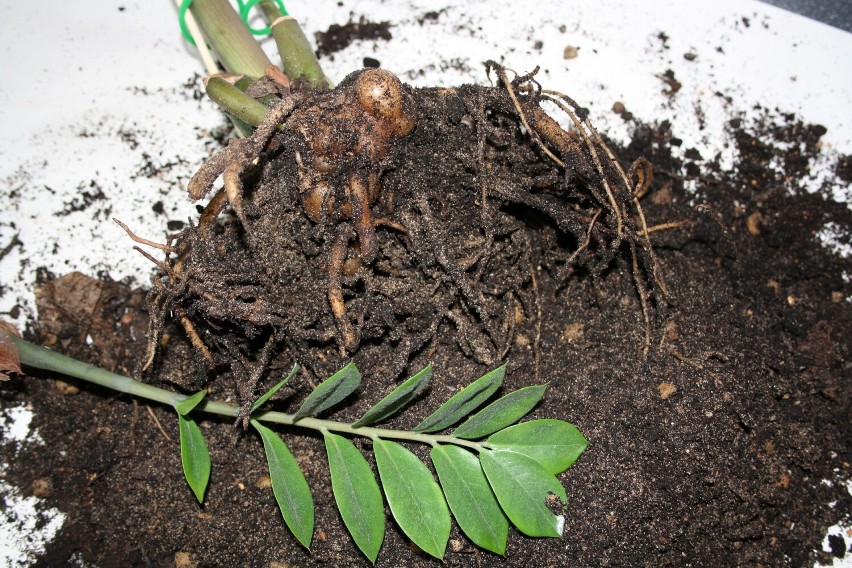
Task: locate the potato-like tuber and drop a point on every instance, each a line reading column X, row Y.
column 381, row 94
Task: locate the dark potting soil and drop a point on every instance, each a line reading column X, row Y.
column 713, row 449
column 338, row 37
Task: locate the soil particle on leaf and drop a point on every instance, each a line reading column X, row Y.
column 713, row 448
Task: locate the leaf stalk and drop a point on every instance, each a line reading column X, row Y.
column 40, row 357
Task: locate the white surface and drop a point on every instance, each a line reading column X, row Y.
column 26, row 525
column 81, row 75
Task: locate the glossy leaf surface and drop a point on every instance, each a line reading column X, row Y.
column 555, row 444
column 522, row 487
column 289, row 485
column 357, row 494
column 194, row 456
column 501, row 413
column 266, row 396
column 397, row 399
column 470, row 498
column 415, row 499
column 186, row 405
column 330, row 391
column 463, row 402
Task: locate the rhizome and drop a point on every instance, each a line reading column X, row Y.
column 382, row 222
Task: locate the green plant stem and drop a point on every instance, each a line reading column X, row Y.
column 297, row 55
column 232, row 41
column 235, row 102
column 39, row 357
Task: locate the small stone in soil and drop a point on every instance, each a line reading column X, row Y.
column 185, row 560
column 64, row 388
column 574, row 332
column 666, row 390
column 43, row 487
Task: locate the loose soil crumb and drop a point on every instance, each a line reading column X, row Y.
column 736, row 464
column 337, row 37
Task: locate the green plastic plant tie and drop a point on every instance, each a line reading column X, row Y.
column 184, row 6
column 244, row 14
column 247, row 6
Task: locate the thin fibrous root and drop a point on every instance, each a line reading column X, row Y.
column 158, row 263
column 643, row 171
column 670, row 225
column 592, row 140
column 157, row 422
column 643, row 298
column 587, row 240
column 255, row 371
column 142, row 241
column 501, row 74
column 155, row 323
column 629, row 185
column 472, row 296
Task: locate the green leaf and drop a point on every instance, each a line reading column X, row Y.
column 266, row 396
column 415, row 499
column 463, row 402
column 331, row 391
column 555, row 444
column 399, row 397
column 522, row 487
column 470, row 497
column 289, row 486
column 501, row 413
column 357, row 494
column 186, row 405
column 194, row 456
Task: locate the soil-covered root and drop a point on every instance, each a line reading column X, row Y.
column 377, row 218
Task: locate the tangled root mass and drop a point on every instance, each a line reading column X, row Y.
column 380, row 221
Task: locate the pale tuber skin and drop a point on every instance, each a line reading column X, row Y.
column 354, row 132
column 381, row 94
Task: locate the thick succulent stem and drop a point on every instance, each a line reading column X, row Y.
column 235, row 102
column 233, row 43
column 297, row 55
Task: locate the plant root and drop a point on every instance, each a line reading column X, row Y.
column 620, row 189
column 304, row 271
